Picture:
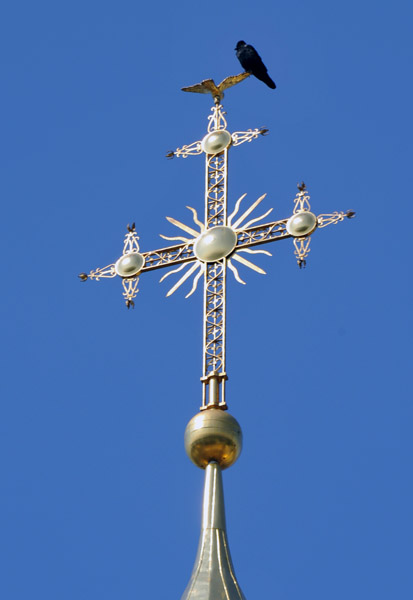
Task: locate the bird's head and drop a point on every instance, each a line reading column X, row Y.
column 240, row 45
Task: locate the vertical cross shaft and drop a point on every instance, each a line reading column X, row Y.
column 216, row 186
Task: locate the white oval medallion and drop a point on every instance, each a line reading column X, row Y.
column 216, row 141
column 130, row 264
column 301, row 224
column 215, row 243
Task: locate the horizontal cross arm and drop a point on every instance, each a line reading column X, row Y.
column 108, row 272
column 333, row 218
column 271, row 232
column 164, row 257
column 190, row 150
column 239, row 137
column 262, row 234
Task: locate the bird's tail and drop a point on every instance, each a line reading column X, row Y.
column 266, row 79
column 269, row 82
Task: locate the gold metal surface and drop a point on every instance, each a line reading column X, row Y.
column 337, row 217
column 213, row 435
column 216, row 182
column 130, row 284
column 213, row 576
column 216, row 122
column 214, row 390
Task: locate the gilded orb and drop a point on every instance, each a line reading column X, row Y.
column 213, row 435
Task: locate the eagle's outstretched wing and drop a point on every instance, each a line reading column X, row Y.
column 232, row 80
column 207, row 86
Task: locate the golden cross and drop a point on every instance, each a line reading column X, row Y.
column 219, row 242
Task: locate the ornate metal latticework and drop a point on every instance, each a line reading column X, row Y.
column 216, row 186
column 214, row 325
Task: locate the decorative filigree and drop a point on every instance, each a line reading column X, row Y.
column 214, row 318
column 302, row 250
column 165, row 257
column 130, row 287
column 130, row 284
column 217, row 120
column 239, row 137
column 302, row 201
column 190, row 150
column 332, row 219
column 216, row 192
column 261, row 234
column 108, row 272
column 131, row 241
column 215, row 273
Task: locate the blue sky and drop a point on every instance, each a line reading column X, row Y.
column 98, row 497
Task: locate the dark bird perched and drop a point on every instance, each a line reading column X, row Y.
column 251, row 61
column 208, row 86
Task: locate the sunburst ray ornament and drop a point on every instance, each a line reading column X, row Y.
column 216, row 243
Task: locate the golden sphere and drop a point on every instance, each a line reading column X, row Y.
column 213, row 435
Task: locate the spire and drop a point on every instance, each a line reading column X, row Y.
column 213, row 576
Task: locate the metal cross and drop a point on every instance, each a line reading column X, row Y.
column 219, row 242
